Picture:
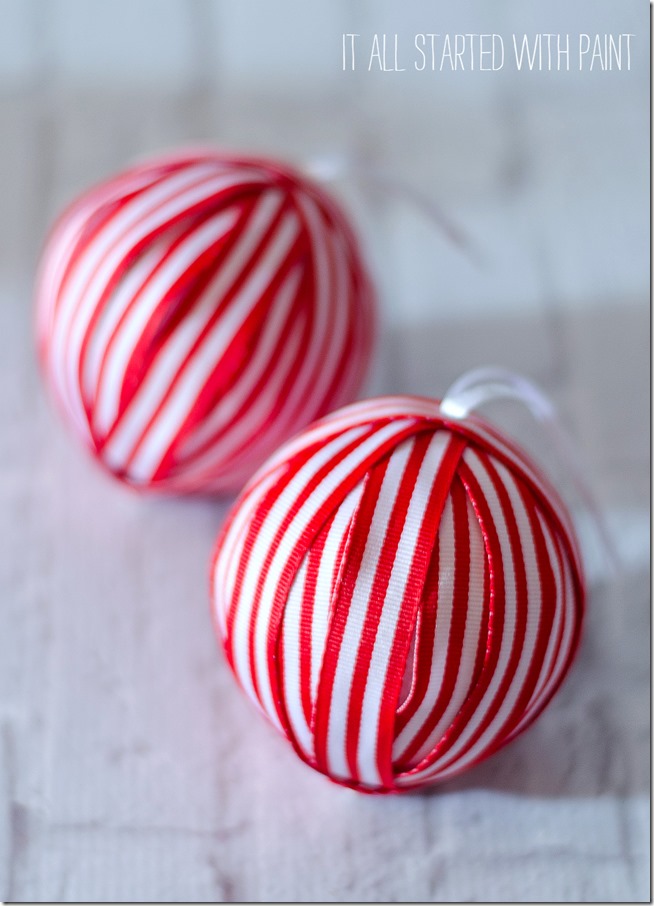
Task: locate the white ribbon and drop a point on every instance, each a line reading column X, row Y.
column 481, row 385
column 332, row 167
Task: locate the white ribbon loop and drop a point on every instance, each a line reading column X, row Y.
column 333, row 167
column 481, row 385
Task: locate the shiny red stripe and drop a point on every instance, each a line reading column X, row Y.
column 411, row 602
column 375, row 602
column 341, row 607
column 495, row 620
column 457, row 629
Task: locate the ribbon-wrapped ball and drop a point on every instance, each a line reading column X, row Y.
column 399, row 592
column 195, row 311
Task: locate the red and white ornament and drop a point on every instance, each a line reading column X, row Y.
column 399, row 592
column 195, row 311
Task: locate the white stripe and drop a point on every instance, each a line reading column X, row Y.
column 566, row 603
column 533, row 598
column 292, row 687
column 373, row 700
column 231, row 461
column 443, row 627
column 436, row 665
column 57, row 255
column 327, row 330
column 559, row 615
column 353, row 414
column 471, row 635
column 245, row 442
column 148, row 211
column 217, row 287
column 324, row 359
column 328, row 575
column 356, row 309
column 62, row 243
column 570, row 603
column 472, row 460
column 272, row 520
column 301, row 519
column 228, row 559
column 192, row 380
column 529, row 642
column 128, row 226
column 523, row 464
column 103, row 332
column 342, row 316
column 230, row 407
column 356, row 618
column 143, row 306
column 91, row 276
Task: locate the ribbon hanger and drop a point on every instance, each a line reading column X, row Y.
column 482, row 385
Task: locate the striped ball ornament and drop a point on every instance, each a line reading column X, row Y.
column 400, row 593
column 195, row 311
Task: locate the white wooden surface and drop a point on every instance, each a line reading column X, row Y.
column 131, row 768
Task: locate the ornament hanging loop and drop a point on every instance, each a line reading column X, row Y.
column 481, row 385
column 332, row 167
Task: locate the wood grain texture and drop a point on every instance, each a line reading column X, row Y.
column 131, row 767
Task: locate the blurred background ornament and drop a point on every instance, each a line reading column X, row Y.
column 196, row 310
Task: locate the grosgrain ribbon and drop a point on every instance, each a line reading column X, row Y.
column 403, row 597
